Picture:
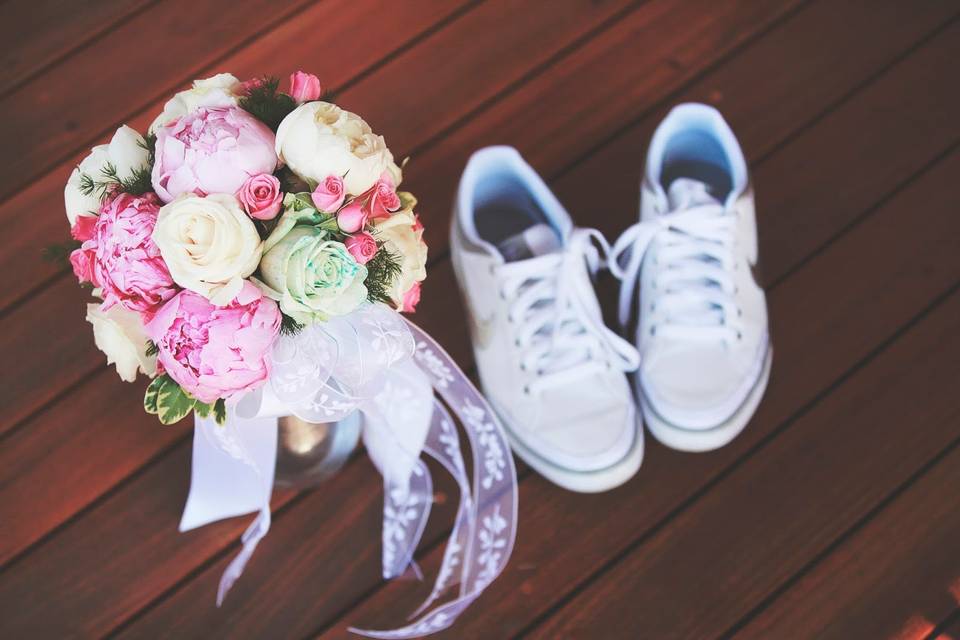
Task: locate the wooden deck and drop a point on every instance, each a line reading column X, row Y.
column 834, row 515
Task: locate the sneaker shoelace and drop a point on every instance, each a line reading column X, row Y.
column 559, row 328
column 693, row 290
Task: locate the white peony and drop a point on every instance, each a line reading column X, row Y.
column 218, row 91
column 119, row 333
column 319, row 139
column 402, row 236
column 126, row 152
column 209, row 244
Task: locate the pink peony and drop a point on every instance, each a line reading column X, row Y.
column 411, row 299
column 304, row 87
column 353, row 217
column 127, row 265
column 211, row 150
column 329, row 194
column 361, row 246
column 260, row 196
column 216, row 352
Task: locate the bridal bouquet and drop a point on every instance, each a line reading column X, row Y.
column 250, row 253
column 243, row 212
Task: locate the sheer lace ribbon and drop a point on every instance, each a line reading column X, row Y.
column 376, row 362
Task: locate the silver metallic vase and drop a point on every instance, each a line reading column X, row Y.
column 310, row 452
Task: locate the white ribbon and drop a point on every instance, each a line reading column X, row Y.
column 375, row 362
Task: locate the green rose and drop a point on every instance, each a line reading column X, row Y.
column 311, row 276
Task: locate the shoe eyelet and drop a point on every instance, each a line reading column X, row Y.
column 739, row 336
column 526, row 389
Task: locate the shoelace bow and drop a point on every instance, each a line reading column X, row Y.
column 694, row 284
column 560, row 327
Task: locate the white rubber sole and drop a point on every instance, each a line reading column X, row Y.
column 695, row 440
column 582, row 481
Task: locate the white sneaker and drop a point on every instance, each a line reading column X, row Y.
column 702, row 334
column 547, row 362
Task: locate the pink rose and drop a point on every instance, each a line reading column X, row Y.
column 83, row 228
column 82, row 260
column 411, row 299
column 304, row 87
column 361, row 246
column 261, row 196
column 383, row 199
column 127, row 265
column 211, row 150
column 329, row 194
column 352, row 217
column 216, row 352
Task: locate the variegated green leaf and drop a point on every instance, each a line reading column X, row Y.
column 150, row 397
column 173, row 403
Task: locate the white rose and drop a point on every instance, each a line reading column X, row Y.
column 218, row 91
column 119, row 334
column 319, row 139
column 403, row 237
column 126, row 153
column 209, row 244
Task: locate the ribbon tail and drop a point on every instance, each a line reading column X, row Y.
column 232, row 475
column 491, row 522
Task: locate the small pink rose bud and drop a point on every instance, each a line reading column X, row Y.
column 260, row 196
column 304, row 87
column 329, row 194
column 362, row 247
column 247, row 86
column 352, row 217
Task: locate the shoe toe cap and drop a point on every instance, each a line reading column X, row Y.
column 696, row 388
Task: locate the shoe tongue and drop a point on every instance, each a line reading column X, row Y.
column 538, row 240
column 685, row 193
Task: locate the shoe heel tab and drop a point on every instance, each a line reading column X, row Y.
column 702, row 116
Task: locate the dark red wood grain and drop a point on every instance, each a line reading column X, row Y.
column 899, row 568
column 797, row 529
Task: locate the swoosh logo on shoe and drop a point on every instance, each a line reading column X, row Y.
column 481, row 328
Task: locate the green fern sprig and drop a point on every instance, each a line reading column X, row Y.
column 384, row 267
column 267, row 104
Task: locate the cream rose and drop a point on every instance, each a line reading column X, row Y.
column 218, row 91
column 209, row 244
column 126, row 153
column 312, row 276
column 318, row 139
column 119, row 334
column 402, row 235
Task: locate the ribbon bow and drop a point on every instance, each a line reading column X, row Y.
column 375, row 362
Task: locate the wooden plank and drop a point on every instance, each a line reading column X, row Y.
column 901, row 567
column 59, row 593
column 614, row 517
column 351, row 45
column 715, row 561
column 38, row 33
